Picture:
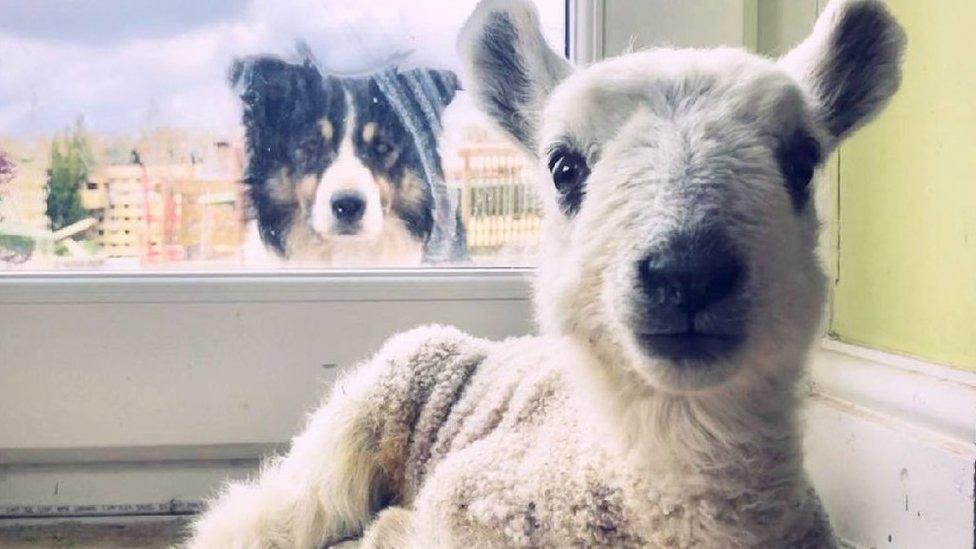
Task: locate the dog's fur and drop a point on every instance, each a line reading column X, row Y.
column 609, row 429
column 313, row 139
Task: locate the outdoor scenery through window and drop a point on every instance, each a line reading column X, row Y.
column 229, row 134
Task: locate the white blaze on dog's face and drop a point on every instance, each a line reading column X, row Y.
column 347, row 202
column 680, row 235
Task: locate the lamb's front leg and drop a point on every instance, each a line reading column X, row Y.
column 324, row 490
column 349, row 461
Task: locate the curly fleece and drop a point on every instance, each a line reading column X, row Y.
column 501, row 452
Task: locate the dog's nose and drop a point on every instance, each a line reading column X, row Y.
column 690, row 272
column 348, row 207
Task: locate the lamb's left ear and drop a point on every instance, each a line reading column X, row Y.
column 508, row 65
column 850, row 64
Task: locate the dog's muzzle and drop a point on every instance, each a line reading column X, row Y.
column 691, row 303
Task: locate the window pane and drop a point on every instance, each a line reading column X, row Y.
column 252, row 133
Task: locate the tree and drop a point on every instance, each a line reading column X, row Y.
column 6, row 168
column 68, row 171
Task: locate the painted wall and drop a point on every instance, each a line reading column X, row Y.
column 781, row 24
column 640, row 24
column 906, row 210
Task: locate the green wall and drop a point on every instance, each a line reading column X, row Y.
column 905, row 210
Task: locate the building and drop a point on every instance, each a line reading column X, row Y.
column 499, row 209
column 169, row 212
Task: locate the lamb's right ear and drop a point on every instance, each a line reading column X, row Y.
column 508, row 66
column 850, row 64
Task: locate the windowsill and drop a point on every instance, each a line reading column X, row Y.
column 889, row 446
column 438, row 284
column 933, row 397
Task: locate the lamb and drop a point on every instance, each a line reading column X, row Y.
column 677, row 296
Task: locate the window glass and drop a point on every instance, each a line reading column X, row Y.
column 251, row 133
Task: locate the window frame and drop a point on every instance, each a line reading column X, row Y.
column 273, row 286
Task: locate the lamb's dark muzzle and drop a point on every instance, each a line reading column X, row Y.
column 692, row 304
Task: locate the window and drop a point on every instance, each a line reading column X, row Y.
column 158, row 112
column 125, row 339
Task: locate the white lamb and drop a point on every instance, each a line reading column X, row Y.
column 678, row 295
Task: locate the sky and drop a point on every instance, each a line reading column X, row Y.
column 124, row 65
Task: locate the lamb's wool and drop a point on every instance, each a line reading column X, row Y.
column 518, row 458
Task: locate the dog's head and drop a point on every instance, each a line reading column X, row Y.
column 680, row 233
column 333, row 160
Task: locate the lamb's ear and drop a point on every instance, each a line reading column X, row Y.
column 850, row 64
column 508, row 65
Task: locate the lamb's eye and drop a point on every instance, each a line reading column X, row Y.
column 568, row 168
column 569, row 172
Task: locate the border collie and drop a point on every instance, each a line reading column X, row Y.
column 335, row 174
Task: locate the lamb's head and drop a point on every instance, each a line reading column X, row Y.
column 680, row 236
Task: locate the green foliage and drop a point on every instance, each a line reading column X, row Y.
column 67, row 172
column 17, row 244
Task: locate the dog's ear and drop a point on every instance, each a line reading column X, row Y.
column 850, row 64
column 509, row 67
column 265, row 78
column 279, row 94
column 445, row 85
column 430, row 89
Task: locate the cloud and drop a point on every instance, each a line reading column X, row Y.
column 48, row 84
column 128, row 64
column 111, row 21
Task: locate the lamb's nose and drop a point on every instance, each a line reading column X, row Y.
column 348, row 207
column 691, row 271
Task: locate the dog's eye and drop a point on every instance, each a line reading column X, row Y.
column 569, row 172
column 381, row 146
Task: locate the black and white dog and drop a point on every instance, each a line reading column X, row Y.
column 339, row 168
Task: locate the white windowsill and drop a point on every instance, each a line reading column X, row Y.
column 267, row 286
column 928, row 396
column 890, row 447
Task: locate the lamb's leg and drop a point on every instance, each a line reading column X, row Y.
column 390, row 530
column 349, row 462
column 324, row 490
